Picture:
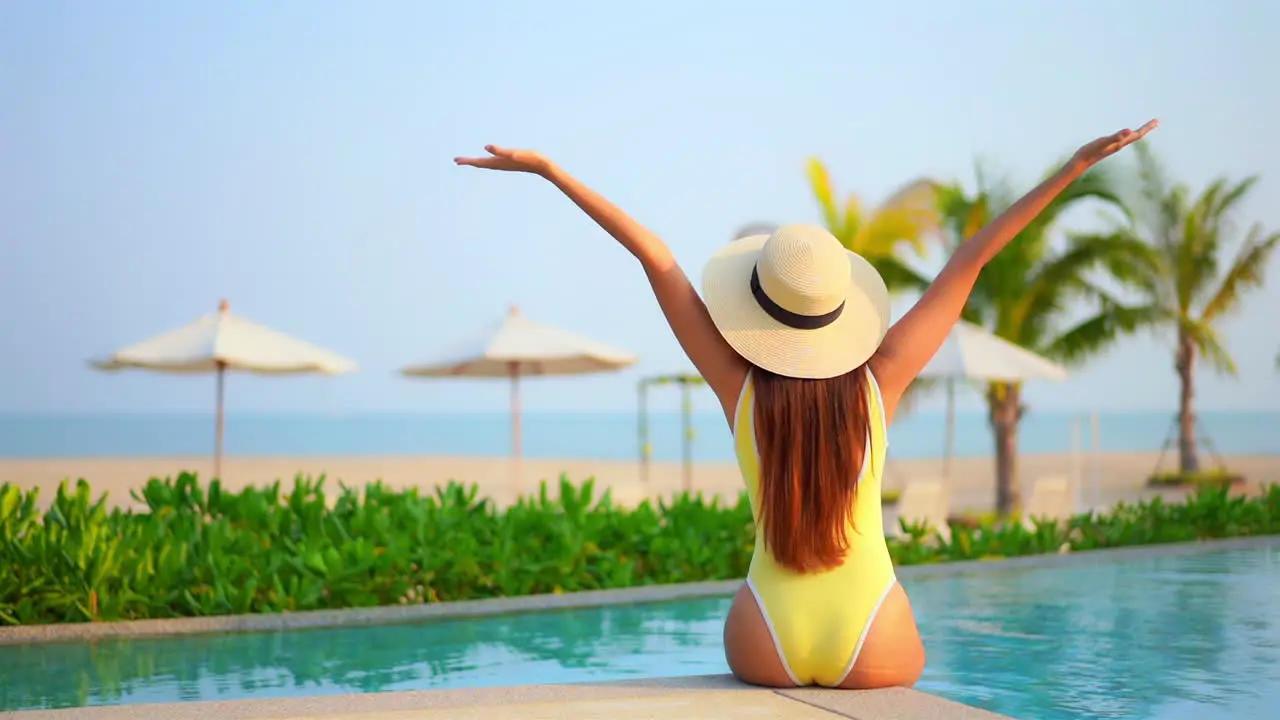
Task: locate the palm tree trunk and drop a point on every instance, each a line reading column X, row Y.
column 1004, row 412
column 1185, row 363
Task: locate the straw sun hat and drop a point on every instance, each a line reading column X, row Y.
column 796, row 303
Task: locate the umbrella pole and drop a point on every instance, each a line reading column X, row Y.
column 514, row 370
column 1095, row 431
column 950, row 448
column 218, row 420
column 686, row 416
column 642, row 428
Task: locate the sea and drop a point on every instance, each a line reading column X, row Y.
column 610, row 436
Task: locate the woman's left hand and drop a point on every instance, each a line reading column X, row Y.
column 509, row 160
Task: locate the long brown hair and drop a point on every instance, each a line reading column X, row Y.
column 812, row 435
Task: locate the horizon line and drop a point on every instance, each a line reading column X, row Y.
column 337, row 414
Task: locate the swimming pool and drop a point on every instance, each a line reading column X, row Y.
column 1190, row 636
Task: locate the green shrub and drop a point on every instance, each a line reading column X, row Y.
column 213, row 552
column 1217, row 477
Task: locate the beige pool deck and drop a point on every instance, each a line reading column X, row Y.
column 695, row 697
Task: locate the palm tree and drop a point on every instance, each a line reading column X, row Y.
column 1184, row 287
column 1024, row 294
column 908, row 217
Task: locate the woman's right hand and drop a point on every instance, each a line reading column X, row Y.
column 509, row 160
column 1104, row 147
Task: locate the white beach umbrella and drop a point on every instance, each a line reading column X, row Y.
column 755, row 228
column 972, row 353
column 219, row 342
column 517, row 346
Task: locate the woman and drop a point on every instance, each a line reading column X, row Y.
column 794, row 339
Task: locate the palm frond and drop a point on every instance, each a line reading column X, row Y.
column 1209, row 344
column 849, row 228
column 889, row 227
column 1036, row 286
column 898, row 275
column 1099, row 183
column 1100, row 330
column 979, row 216
column 1125, row 257
column 908, row 217
column 1152, row 188
column 974, row 313
column 1198, row 251
column 1001, row 284
column 1245, row 273
column 1230, row 197
column 1066, row 276
column 959, row 216
column 1168, row 236
column 1025, row 290
column 954, row 210
column 824, row 193
column 1205, row 228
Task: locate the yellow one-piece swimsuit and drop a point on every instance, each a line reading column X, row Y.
column 819, row 621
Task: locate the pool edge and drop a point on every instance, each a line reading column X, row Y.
column 722, row 690
column 403, row 614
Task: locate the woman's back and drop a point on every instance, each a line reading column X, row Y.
column 819, row 618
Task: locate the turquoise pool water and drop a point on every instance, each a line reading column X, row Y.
column 1192, row 636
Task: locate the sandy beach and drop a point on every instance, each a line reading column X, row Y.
column 1119, row 476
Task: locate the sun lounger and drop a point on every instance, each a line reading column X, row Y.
column 629, row 495
column 924, row 501
column 1052, row 498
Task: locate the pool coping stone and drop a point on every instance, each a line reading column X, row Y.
column 407, row 614
column 725, row 693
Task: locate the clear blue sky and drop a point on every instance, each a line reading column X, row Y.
column 294, row 157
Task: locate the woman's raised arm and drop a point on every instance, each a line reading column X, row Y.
column 723, row 369
column 913, row 340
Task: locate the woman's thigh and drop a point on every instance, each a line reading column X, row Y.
column 893, row 654
column 748, row 645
